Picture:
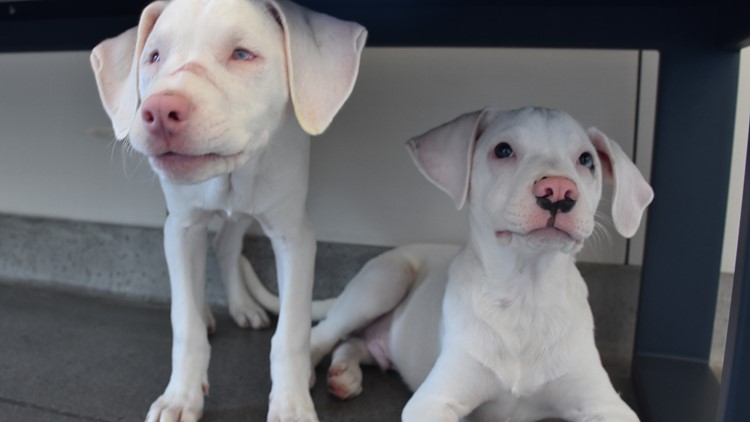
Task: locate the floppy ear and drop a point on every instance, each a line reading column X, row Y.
column 444, row 154
column 115, row 63
column 632, row 193
column 322, row 56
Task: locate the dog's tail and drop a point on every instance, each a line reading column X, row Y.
column 269, row 300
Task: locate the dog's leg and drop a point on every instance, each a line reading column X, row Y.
column 293, row 241
column 456, row 385
column 185, row 249
column 345, row 374
column 228, row 246
column 376, row 289
column 588, row 396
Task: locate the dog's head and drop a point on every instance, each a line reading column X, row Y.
column 531, row 176
column 200, row 85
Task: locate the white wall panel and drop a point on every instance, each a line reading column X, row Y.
column 54, row 161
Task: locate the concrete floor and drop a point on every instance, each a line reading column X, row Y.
column 67, row 357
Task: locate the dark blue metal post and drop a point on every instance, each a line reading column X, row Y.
column 692, row 154
column 734, row 404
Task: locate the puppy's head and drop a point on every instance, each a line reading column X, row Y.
column 532, row 177
column 200, row 85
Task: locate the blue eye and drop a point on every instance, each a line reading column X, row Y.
column 242, row 54
column 587, row 160
column 503, row 150
column 155, row 57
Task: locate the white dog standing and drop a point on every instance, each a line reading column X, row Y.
column 221, row 96
column 499, row 330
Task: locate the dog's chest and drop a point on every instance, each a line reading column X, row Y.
column 523, row 340
column 528, row 352
column 220, row 194
column 234, row 194
column 240, row 192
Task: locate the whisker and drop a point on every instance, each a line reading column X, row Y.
column 602, row 222
column 113, row 143
column 141, row 159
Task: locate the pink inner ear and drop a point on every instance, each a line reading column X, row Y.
column 323, row 55
column 607, row 170
column 443, row 154
column 631, row 194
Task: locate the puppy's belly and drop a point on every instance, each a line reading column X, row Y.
column 377, row 339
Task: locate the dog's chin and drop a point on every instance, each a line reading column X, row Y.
column 547, row 239
column 192, row 169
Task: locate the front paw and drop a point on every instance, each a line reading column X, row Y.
column 288, row 406
column 181, row 406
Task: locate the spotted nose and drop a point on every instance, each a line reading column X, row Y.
column 555, row 194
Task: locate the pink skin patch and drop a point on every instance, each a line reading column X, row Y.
column 376, row 338
column 503, row 235
column 556, row 189
column 166, row 115
column 338, row 390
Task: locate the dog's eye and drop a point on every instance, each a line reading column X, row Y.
column 586, row 160
column 503, row 150
column 242, row 54
column 155, row 57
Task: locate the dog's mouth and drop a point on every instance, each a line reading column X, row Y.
column 174, row 159
column 551, row 234
column 190, row 168
column 177, row 155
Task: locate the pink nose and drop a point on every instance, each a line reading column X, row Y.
column 555, row 194
column 165, row 115
column 556, row 189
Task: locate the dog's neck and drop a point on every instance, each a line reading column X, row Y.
column 508, row 268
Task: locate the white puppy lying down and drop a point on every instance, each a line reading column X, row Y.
column 500, row 329
column 221, row 96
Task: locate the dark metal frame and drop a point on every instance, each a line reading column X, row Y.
column 696, row 104
column 699, row 64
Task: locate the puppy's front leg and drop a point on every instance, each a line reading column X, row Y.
column 293, row 241
column 185, row 249
column 228, row 246
column 456, row 385
column 587, row 395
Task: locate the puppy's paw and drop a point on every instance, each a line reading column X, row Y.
column 178, row 406
column 287, row 406
column 248, row 314
column 345, row 380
